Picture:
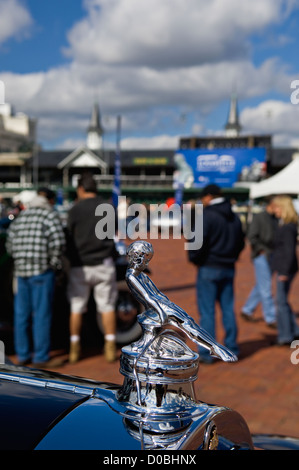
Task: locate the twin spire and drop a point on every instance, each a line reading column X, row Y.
column 95, row 130
column 233, row 127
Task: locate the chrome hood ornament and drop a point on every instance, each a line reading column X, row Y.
column 160, row 368
column 160, row 312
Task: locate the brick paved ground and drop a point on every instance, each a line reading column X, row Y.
column 263, row 386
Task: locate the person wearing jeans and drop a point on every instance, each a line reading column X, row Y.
column 216, row 284
column 223, row 240
column 285, row 266
column 261, row 234
column 35, row 240
column 286, row 324
column 35, row 294
column 262, row 291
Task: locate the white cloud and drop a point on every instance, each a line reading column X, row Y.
column 71, row 143
column 140, row 58
column 171, row 33
column 73, row 89
column 15, row 20
column 274, row 117
column 157, row 142
column 22, row 89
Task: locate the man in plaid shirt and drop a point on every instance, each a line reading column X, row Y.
column 35, row 241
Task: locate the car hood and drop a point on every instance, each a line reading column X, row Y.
column 33, row 402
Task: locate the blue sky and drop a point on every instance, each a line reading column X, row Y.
column 42, row 48
column 167, row 67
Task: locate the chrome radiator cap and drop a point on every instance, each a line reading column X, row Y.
column 157, row 398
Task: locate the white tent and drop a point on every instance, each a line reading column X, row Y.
column 284, row 182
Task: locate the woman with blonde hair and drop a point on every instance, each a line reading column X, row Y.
column 285, row 265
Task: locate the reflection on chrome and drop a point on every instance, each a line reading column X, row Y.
column 160, row 369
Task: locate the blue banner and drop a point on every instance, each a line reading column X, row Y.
column 116, row 190
column 224, row 167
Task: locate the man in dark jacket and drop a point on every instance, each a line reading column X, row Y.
column 223, row 240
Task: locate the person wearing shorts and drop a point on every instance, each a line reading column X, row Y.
column 91, row 267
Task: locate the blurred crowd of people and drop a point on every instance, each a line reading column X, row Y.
column 37, row 241
column 272, row 235
column 273, row 238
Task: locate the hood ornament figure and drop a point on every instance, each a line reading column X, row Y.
column 157, row 398
column 161, row 355
column 160, row 309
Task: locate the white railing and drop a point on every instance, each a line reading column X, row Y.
column 137, row 180
column 106, row 181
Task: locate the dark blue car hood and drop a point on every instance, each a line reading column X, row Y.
column 30, row 404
